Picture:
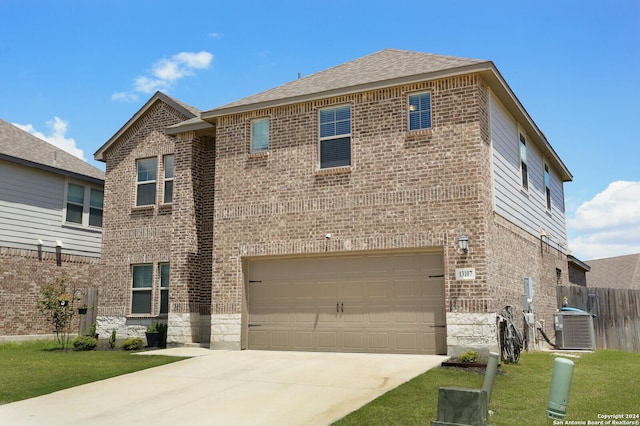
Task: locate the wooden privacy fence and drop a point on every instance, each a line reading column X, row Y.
column 88, row 299
column 617, row 321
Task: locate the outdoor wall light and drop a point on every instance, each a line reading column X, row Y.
column 463, row 242
column 39, row 243
column 58, row 253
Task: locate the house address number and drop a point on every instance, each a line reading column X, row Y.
column 465, row 274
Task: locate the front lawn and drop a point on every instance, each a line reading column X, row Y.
column 36, row 368
column 604, row 383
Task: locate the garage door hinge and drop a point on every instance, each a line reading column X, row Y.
column 255, row 325
column 436, row 276
column 438, row 326
column 255, row 281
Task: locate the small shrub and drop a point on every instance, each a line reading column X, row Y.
column 112, row 339
column 92, row 329
column 85, row 343
column 132, row 344
column 468, row 356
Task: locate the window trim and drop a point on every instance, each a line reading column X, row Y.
column 409, row 111
column 156, row 289
column 86, row 204
column 524, row 169
column 547, row 186
column 336, row 136
column 146, row 182
column 162, row 288
column 252, row 148
column 134, row 289
column 166, row 179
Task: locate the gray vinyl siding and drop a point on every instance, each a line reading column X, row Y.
column 525, row 208
column 32, row 205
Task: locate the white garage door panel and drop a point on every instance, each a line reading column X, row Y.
column 354, row 303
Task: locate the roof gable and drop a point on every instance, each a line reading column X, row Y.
column 187, row 111
column 19, row 146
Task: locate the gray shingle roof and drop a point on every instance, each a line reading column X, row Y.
column 615, row 272
column 389, row 65
column 19, row 146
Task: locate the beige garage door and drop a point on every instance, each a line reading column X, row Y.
column 388, row 303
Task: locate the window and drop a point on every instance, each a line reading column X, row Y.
column 420, row 111
column 335, row 137
column 523, row 162
column 75, row 203
column 168, row 179
column 84, row 205
column 141, row 289
column 547, row 186
column 164, row 288
column 96, row 205
column 146, row 191
column 260, row 135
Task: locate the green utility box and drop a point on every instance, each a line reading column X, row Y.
column 459, row 406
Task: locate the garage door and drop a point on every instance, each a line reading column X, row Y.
column 387, row 303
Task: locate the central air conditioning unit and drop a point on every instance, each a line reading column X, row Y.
column 574, row 330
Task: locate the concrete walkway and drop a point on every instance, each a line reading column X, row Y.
column 227, row 388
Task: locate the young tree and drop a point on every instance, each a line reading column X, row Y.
column 57, row 302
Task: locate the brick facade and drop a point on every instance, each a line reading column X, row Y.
column 156, row 234
column 404, row 190
column 22, row 276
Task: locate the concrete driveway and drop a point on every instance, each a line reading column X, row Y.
column 227, row 388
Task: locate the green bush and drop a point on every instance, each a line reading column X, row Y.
column 85, row 343
column 132, row 344
column 468, row 356
column 112, row 339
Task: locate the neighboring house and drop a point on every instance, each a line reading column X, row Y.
column 577, row 271
column 51, row 207
column 615, row 272
column 394, row 203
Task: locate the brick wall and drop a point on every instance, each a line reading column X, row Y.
column 22, row 276
column 403, row 190
column 156, row 234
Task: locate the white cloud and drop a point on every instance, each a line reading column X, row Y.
column 609, row 224
column 124, row 96
column 165, row 73
column 215, row 35
column 57, row 136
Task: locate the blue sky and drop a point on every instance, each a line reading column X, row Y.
column 73, row 72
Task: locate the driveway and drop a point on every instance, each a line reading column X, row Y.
column 228, row 388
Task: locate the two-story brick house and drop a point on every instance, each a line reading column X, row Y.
column 333, row 213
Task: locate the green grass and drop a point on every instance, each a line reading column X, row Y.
column 604, row 382
column 31, row 369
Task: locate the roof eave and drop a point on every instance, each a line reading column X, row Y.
column 56, row 170
column 450, row 72
column 194, row 125
column 508, row 98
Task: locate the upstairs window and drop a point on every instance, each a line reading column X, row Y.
column 75, row 203
column 84, row 205
column 146, row 181
column 167, row 196
column 420, row 111
column 96, row 205
column 142, row 288
column 260, row 135
column 547, row 186
column 335, row 137
column 523, row 163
